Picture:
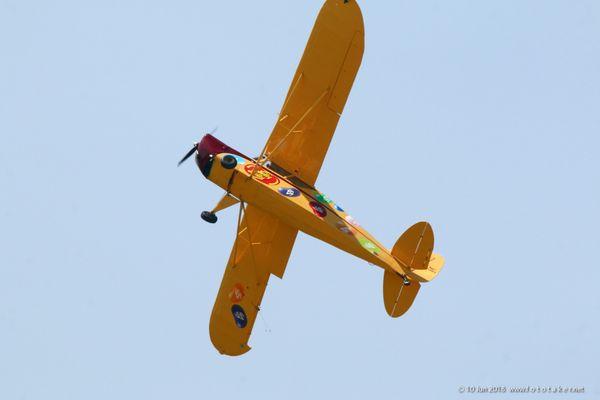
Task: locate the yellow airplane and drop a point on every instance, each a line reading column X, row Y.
column 277, row 196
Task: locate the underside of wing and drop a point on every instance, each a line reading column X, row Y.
column 319, row 91
column 262, row 247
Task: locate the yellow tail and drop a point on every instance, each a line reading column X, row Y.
column 414, row 251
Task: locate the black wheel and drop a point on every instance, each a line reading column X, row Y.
column 228, row 162
column 209, row 217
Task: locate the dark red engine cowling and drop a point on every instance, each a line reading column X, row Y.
column 207, row 149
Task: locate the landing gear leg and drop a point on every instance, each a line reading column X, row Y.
column 405, row 280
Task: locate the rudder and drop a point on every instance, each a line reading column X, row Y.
column 414, row 251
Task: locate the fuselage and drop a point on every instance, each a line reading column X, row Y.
column 299, row 205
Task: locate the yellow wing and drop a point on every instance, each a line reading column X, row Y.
column 262, row 247
column 319, row 91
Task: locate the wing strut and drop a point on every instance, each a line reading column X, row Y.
column 290, row 95
column 279, row 118
column 239, row 235
column 251, row 244
column 264, row 156
column 226, row 201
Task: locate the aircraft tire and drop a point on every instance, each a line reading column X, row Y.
column 209, row 217
column 228, row 162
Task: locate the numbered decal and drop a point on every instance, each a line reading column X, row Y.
column 318, row 209
column 239, row 316
column 262, row 175
column 237, row 293
column 289, row 192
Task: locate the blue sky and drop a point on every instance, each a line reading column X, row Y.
column 481, row 117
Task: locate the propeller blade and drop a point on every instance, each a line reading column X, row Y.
column 188, row 155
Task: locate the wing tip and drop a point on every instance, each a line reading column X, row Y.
column 227, row 344
column 232, row 350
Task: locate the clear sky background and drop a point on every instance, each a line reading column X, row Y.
column 481, row 117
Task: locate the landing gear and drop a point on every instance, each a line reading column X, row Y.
column 209, row 217
column 405, row 280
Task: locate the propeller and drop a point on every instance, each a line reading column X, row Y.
column 193, row 149
column 188, row 155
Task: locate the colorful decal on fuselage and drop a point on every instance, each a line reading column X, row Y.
column 322, row 197
column 367, row 244
column 239, row 316
column 262, row 175
column 318, row 209
column 289, row 192
column 348, row 230
column 237, row 293
column 352, row 221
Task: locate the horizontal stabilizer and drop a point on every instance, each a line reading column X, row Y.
column 397, row 296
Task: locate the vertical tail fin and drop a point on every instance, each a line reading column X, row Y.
column 414, row 251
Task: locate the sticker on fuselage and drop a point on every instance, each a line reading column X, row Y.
column 348, row 230
column 323, row 199
column 318, row 209
column 370, row 246
column 239, row 316
column 237, row 293
column 352, row 221
column 262, row 175
column 289, row 192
